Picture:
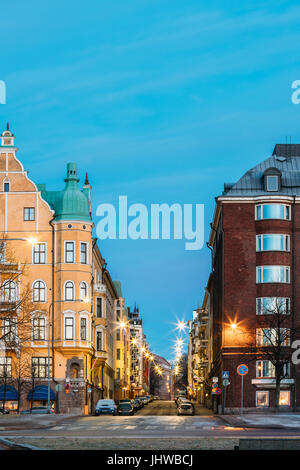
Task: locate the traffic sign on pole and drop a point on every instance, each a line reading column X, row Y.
column 218, row 391
column 225, row 382
column 242, row 369
column 225, row 374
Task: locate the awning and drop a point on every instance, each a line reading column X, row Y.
column 40, row 393
column 8, row 393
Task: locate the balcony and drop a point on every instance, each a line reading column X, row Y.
column 8, row 306
column 271, row 382
column 99, row 288
column 101, row 354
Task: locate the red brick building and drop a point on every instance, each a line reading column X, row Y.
column 255, row 243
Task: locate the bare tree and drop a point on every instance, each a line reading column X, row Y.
column 16, row 308
column 274, row 333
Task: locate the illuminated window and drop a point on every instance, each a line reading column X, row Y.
column 5, row 366
column 284, row 398
column 262, row 398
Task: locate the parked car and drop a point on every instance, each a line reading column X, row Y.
column 186, row 408
column 145, row 400
column 106, row 407
column 3, row 411
column 42, row 410
column 137, row 404
column 181, row 400
column 125, row 408
column 180, row 394
column 150, row 398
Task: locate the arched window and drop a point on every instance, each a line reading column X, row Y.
column 9, row 291
column 69, row 290
column 83, row 290
column 39, row 291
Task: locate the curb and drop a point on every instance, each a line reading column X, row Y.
column 14, row 446
column 258, row 426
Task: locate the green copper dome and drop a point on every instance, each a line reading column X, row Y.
column 71, row 203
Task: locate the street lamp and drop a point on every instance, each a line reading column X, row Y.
column 85, row 300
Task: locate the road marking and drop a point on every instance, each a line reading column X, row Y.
column 151, row 427
column 56, row 428
column 130, row 427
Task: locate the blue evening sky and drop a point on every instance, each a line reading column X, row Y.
column 161, row 101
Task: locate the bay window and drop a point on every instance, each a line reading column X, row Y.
column 265, row 274
column 272, row 242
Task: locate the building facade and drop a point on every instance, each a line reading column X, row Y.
column 59, row 306
column 139, row 355
column 163, row 384
column 123, row 348
column 255, row 279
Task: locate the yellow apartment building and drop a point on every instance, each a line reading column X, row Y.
column 123, row 353
column 53, row 284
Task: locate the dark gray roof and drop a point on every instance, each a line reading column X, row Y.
column 286, row 157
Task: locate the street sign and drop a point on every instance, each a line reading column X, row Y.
column 226, row 382
column 242, row 369
column 218, row 391
column 215, row 379
column 215, row 385
column 225, row 374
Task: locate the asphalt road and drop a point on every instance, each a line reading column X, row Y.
column 168, row 408
column 157, row 424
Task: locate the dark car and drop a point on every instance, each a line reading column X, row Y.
column 125, row 409
column 137, row 404
column 144, row 400
column 41, row 410
column 3, row 411
column 127, row 400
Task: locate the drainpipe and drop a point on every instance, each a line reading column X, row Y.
column 53, row 295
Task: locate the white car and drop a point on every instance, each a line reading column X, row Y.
column 186, row 408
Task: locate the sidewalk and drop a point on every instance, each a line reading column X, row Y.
column 17, row 422
column 265, row 421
